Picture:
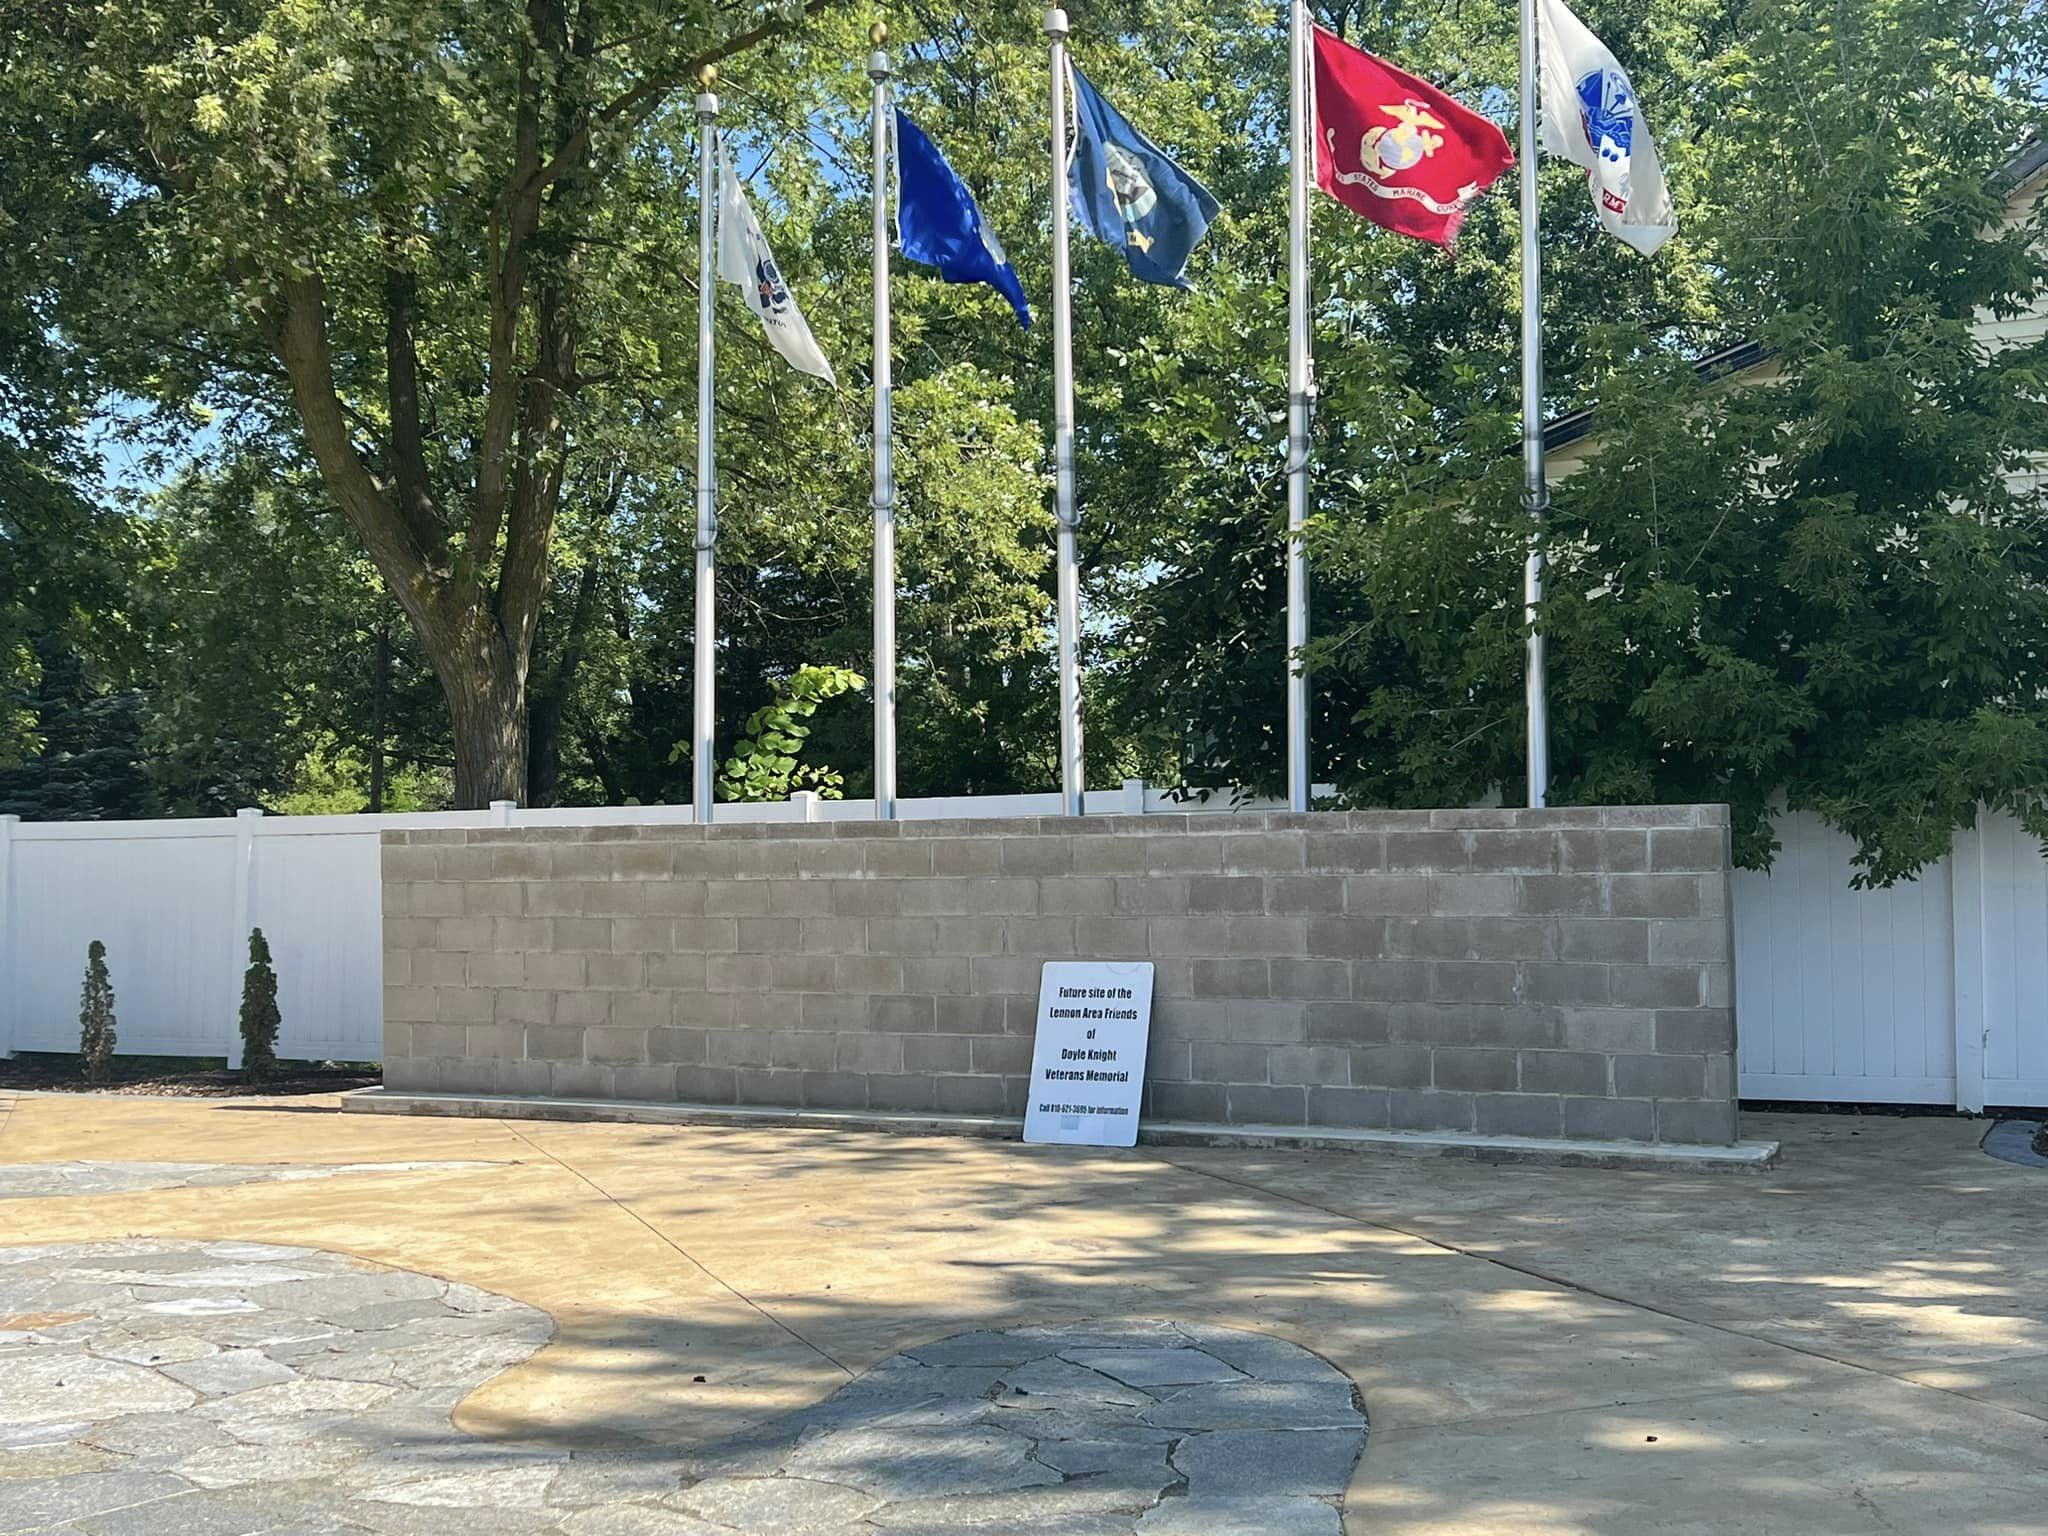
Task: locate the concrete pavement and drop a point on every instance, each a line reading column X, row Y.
column 1857, row 1341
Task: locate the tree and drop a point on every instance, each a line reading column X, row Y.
column 378, row 220
column 1826, row 587
column 64, row 557
column 40, row 518
column 1753, row 592
column 260, row 1018
column 274, row 672
column 96, row 1015
column 90, row 759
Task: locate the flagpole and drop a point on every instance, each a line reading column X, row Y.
column 1071, row 774
column 1298, row 389
column 1535, row 495
column 885, row 451
column 703, row 748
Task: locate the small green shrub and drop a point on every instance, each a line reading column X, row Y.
column 96, row 1015
column 260, row 1018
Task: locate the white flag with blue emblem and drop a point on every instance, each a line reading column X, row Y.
column 1591, row 118
column 745, row 261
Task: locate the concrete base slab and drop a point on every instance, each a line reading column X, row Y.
column 1743, row 1156
column 1850, row 1344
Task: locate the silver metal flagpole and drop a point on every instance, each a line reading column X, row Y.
column 1071, row 773
column 1535, row 495
column 1299, row 385
column 702, row 744
column 885, row 452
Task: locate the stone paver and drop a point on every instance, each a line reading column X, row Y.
column 2012, row 1141
column 1154, row 1367
column 321, row 1402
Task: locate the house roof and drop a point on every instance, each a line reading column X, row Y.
column 1574, row 425
column 2031, row 160
column 2027, row 163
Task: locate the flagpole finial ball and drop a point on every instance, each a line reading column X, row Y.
column 708, row 76
column 878, row 34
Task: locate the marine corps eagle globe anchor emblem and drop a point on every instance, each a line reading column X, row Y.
column 1389, row 151
column 1385, row 152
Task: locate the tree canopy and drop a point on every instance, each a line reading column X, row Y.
column 406, row 289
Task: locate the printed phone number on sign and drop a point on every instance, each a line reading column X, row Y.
column 1082, row 1109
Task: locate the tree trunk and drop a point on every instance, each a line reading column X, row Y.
column 478, row 631
column 549, row 697
column 601, row 765
column 486, row 692
column 544, row 755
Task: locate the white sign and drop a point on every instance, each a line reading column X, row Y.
column 1088, row 1060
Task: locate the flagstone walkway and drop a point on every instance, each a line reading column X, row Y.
column 234, row 1388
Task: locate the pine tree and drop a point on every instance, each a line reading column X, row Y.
column 90, row 765
column 260, row 1018
column 96, row 1015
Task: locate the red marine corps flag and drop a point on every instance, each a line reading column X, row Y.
column 1409, row 158
column 1396, row 150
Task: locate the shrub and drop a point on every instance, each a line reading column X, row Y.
column 96, row 1015
column 260, row 1017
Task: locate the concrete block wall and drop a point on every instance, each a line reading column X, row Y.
column 1560, row 973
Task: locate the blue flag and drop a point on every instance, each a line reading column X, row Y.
column 937, row 222
column 1130, row 195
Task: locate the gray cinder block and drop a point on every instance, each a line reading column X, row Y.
column 1559, row 973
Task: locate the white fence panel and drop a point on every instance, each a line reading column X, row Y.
column 317, row 899
column 1932, row 992
column 163, row 905
column 1842, row 994
column 2002, row 973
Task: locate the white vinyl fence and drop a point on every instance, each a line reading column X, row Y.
column 1932, row 992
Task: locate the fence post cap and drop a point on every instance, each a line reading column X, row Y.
column 249, row 810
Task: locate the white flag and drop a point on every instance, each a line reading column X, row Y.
column 1591, row 118
column 745, row 261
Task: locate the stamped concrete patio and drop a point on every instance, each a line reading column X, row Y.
column 264, row 1316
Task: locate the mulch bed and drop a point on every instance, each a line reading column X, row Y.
column 180, row 1077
